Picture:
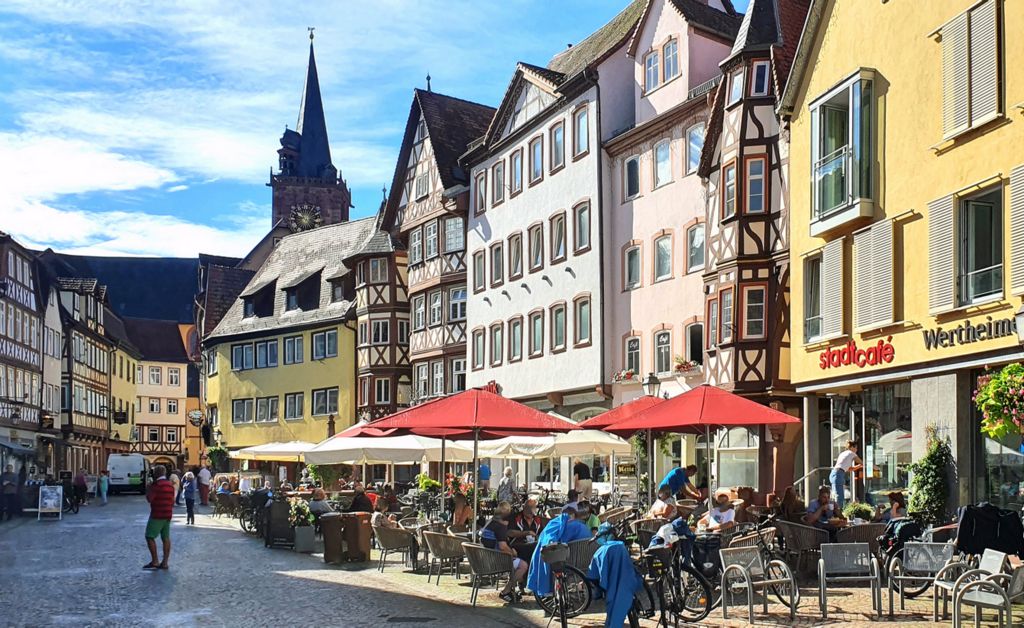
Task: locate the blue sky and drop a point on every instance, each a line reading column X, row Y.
column 150, row 128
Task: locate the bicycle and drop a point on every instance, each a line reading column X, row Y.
column 570, row 595
column 891, row 547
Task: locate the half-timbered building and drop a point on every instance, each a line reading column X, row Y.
column 382, row 326
column 428, row 204
column 746, row 275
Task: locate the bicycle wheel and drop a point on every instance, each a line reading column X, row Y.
column 781, row 591
column 688, row 596
column 246, row 523
column 910, row 590
column 576, row 590
column 74, row 505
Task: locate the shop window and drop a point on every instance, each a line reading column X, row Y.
column 737, row 457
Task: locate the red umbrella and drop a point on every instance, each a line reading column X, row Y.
column 700, row 410
column 479, row 411
column 621, row 413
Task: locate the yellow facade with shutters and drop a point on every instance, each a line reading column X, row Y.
column 945, row 301
column 123, row 391
column 310, row 377
column 906, row 234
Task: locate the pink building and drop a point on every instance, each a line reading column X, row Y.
column 654, row 206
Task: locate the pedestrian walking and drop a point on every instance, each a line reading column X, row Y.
column 9, row 480
column 205, row 477
column 81, row 485
column 176, row 481
column 102, row 486
column 161, row 510
column 188, row 491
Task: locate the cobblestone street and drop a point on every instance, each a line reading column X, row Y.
column 86, row 571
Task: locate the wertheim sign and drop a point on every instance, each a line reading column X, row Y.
column 967, row 333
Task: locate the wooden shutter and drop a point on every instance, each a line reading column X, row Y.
column 863, row 278
column 1017, row 230
column 941, row 256
column 832, row 289
column 956, row 106
column 882, row 273
column 984, row 62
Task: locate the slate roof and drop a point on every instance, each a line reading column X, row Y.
column 707, row 18
column 145, row 287
column 451, row 124
column 223, row 285
column 380, row 243
column 600, row 42
column 208, row 259
column 759, row 29
column 159, row 341
column 314, row 149
column 546, row 74
column 114, row 329
column 324, row 247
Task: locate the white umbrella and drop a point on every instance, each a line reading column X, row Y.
column 291, row 451
column 585, row 443
column 385, row 449
column 516, row 447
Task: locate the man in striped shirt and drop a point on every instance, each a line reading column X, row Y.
column 161, row 509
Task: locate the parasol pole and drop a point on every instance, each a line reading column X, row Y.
column 476, row 481
column 707, row 441
column 444, row 502
column 650, row 469
column 551, row 473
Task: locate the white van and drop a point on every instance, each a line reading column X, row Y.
column 128, row 472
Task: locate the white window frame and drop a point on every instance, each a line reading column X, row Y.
column 498, row 183
column 293, row 406
column 419, row 312
column 632, row 355
column 379, row 268
column 437, row 378
column 172, row 406
column 667, row 274
column 173, row 376
column 497, row 255
column 454, row 234
column 634, row 253
column 652, row 71
column 736, row 87
column 747, row 187
column 626, row 194
column 380, row 331
column 430, row 240
column 662, row 160
column 760, row 70
column 674, row 56
column 580, row 131
column 690, row 247
column 324, row 394
column 583, row 329
column 435, row 310
column 415, row 246
column 496, row 339
column 727, row 313
column 458, row 375
column 381, row 390
column 403, row 332
column 155, row 405
column 663, row 352
column 156, row 375
column 479, row 271
column 746, row 333
column 457, row 304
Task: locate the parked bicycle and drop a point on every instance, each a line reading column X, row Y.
column 71, row 503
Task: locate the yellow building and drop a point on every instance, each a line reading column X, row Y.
column 907, row 231
column 123, row 390
column 281, row 363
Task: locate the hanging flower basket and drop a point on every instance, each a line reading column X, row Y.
column 1000, row 398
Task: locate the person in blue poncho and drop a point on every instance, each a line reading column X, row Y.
column 564, row 528
column 613, row 570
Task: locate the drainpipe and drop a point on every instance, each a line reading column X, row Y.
column 598, row 149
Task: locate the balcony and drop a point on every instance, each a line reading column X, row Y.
column 835, row 203
column 981, row 285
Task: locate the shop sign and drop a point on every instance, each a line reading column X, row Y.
column 195, row 417
column 967, row 333
column 850, row 354
column 51, row 500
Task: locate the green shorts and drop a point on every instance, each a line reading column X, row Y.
column 158, row 527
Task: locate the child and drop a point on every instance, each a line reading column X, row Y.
column 103, row 485
column 188, row 490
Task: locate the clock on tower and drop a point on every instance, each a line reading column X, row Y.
column 304, row 217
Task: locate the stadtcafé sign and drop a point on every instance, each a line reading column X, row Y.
column 851, row 354
column 967, row 333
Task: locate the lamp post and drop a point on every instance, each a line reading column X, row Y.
column 1020, row 324
column 330, row 425
column 652, row 387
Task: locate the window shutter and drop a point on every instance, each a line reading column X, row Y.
column 882, row 273
column 956, row 110
column 1017, row 230
column 863, row 278
column 984, row 62
column 832, row 289
column 941, row 259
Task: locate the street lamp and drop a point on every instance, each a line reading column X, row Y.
column 1020, row 324
column 652, row 385
column 218, row 435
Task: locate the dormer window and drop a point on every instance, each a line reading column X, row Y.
column 337, row 291
column 291, row 299
column 248, row 307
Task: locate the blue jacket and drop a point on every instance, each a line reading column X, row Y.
column 614, row 571
column 188, row 489
column 561, row 529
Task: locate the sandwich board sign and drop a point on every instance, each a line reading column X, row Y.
column 51, row 500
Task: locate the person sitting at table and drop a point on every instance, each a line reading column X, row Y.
column 506, row 486
column 286, row 487
column 897, row 508
column 223, row 489
column 381, row 518
column 723, row 516
column 664, row 507
column 678, row 480
column 462, row 514
column 821, row 510
column 789, row 507
column 391, row 498
column 574, row 499
column 319, row 505
column 586, row 515
column 526, row 524
column 360, row 503
column 495, row 536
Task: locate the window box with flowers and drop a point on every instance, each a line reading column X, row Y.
column 625, row 376
column 1000, row 398
column 686, row 368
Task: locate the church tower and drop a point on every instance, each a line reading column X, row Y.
column 308, row 190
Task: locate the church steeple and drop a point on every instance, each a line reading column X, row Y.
column 307, row 180
column 315, row 151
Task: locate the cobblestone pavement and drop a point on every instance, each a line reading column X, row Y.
column 86, row 571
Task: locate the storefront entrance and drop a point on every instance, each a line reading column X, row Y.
column 998, row 475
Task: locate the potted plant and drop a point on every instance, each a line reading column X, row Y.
column 684, row 367
column 930, row 481
column 218, row 457
column 624, row 376
column 301, row 520
column 857, row 510
column 1000, row 398
column 426, row 484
